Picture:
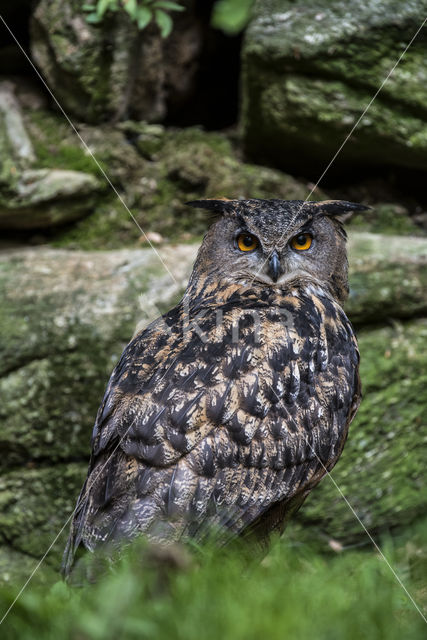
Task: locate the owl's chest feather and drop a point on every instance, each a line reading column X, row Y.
column 257, row 368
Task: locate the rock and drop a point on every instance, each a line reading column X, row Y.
column 64, row 320
column 388, row 277
column 16, row 567
column 46, row 197
column 388, row 218
column 155, row 170
column 35, row 198
column 15, row 144
column 38, row 499
column 110, row 70
column 311, row 68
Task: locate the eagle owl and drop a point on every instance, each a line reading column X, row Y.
column 223, row 414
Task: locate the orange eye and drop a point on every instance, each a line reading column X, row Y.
column 302, row 241
column 247, row 242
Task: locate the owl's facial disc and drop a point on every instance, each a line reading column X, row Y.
column 306, row 251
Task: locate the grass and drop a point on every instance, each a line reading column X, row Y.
column 294, row 593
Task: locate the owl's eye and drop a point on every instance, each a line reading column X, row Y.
column 247, row 242
column 302, row 241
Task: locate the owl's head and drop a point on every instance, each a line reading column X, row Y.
column 274, row 243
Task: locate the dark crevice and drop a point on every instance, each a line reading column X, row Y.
column 16, row 14
column 36, row 464
column 8, row 542
column 389, row 321
column 26, row 360
column 214, row 101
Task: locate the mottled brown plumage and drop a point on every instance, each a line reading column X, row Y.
column 224, row 413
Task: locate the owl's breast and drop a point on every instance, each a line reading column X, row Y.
column 264, row 371
column 292, row 371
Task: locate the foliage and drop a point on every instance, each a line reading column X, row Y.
column 293, row 593
column 231, row 16
column 141, row 11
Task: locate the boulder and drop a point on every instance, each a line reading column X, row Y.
column 39, row 198
column 112, row 70
column 15, row 145
column 35, row 198
column 156, row 171
column 388, row 277
column 311, row 67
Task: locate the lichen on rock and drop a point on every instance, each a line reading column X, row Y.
column 311, row 68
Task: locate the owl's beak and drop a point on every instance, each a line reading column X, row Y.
column 274, row 268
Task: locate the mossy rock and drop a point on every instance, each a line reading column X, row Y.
column 16, row 567
column 65, row 318
column 104, row 71
column 311, row 68
column 388, row 277
column 36, row 502
column 381, row 471
column 43, row 198
column 33, row 198
column 153, row 171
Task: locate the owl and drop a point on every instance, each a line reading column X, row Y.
column 223, row 414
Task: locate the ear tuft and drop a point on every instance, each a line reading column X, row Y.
column 219, row 205
column 339, row 209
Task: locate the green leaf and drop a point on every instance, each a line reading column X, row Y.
column 231, row 16
column 102, row 7
column 93, row 18
column 88, row 7
column 143, row 17
column 164, row 22
column 131, row 8
column 172, row 6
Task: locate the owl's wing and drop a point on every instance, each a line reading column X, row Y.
column 209, row 432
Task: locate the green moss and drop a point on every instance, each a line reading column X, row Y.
column 383, row 288
column 299, row 117
column 35, row 503
column 15, row 567
column 108, row 227
column 39, row 423
column 57, row 146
